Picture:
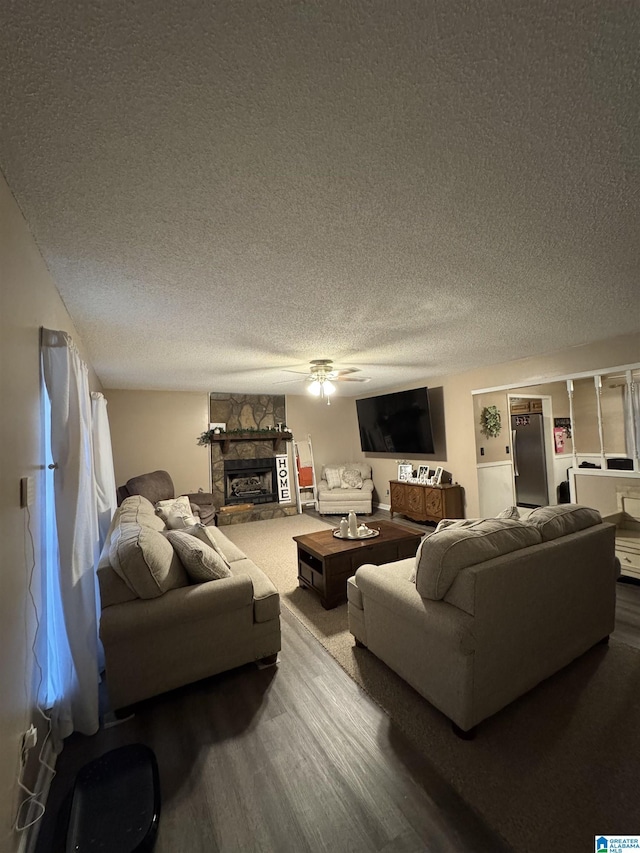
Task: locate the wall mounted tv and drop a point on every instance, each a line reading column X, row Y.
column 396, row 423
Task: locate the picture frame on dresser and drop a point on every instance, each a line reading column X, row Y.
column 423, row 473
column 437, row 477
column 404, row 471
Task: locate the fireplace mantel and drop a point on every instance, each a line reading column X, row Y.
column 275, row 437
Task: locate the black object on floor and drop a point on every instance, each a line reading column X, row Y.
column 115, row 806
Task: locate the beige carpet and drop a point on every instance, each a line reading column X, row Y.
column 557, row 767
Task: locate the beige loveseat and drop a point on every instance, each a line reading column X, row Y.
column 159, row 629
column 488, row 609
column 336, row 492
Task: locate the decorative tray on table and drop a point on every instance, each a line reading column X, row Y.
column 368, row 534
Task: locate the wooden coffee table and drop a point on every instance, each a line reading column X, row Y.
column 325, row 562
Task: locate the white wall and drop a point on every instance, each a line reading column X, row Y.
column 29, row 300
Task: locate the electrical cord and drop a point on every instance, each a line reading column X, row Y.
column 32, row 798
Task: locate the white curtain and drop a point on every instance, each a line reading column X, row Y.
column 632, row 417
column 106, row 501
column 72, row 618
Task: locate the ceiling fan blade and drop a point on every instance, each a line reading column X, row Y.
column 352, row 379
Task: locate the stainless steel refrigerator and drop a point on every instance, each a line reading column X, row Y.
column 529, row 460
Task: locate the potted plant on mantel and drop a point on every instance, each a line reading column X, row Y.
column 226, row 436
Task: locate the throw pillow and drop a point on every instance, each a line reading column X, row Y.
column 201, row 561
column 509, row 512
column 456, row 522
column 202, row 533
column 351, row 479
column 176, row 513
column 333, row 476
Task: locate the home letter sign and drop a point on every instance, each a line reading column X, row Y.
column 282, row 475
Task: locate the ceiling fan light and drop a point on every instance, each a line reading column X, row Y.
column 315, row 388
column 329, row 387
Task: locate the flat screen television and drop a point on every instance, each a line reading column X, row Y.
column 396, row 423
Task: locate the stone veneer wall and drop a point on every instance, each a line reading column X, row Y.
column 242, row 411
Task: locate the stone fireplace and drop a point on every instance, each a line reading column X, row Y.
column 245, row 473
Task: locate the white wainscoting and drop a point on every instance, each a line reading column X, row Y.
column 495, row 487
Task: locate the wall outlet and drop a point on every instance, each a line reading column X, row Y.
column 387, row 491
column 27, row 492
column 29, row 740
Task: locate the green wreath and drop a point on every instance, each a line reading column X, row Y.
column 490, row 422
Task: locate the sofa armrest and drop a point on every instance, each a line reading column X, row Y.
column 389, row 587
column 202, row 506
column 183, row 605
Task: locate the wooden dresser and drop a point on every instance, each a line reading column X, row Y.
column 425, row 503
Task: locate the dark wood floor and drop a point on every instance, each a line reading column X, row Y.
column 289, row 758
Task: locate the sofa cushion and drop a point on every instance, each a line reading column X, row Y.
column 145, row 560
column 215, row 537
column 138, row 509
column 137, row 503
column 202, row 562
column 351, row 478
column 333, row 476
column 443, row 554
column 176, row 513
column 555, row 521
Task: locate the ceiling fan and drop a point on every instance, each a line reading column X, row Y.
column 322, row 375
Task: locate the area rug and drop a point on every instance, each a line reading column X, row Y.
column 551, row 771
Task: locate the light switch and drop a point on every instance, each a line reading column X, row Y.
column 27, row 491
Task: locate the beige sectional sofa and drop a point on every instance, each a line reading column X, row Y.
column 159, row 629
column 489, row 608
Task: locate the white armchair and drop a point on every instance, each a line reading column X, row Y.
column 345, row 487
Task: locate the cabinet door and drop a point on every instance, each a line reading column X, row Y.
column 434, row 507
column 415, row 500
column 398, row 492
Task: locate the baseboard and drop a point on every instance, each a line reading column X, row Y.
column 383, row 506
column 29, row 837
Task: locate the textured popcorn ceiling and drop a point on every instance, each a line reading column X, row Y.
column 225, row 189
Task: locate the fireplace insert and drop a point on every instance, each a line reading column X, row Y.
column 250, row 480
